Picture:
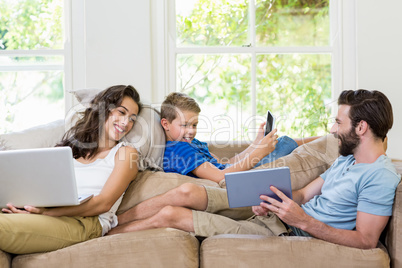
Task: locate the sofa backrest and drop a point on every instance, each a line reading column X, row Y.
column 47, row 135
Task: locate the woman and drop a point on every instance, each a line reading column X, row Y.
column 103, row 166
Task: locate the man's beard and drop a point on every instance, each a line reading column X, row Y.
column 349, row 142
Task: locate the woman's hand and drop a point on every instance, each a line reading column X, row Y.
column 27, row 210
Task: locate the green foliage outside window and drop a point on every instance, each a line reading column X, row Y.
column 295, row 86
column 29, row 25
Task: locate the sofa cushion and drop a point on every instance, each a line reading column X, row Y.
column 150, row 183
column 263, row 251
column 37, row 137
column 5, row 259
column 393, row 239
column 147, row 135
column 150, row 248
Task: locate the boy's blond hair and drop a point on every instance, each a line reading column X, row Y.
column 178, row 101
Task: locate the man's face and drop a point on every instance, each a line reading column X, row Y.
column 343, row 130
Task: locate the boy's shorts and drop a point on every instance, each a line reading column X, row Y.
column 218, row 218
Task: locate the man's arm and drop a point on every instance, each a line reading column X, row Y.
column 308, row 192
column 300, row 196
column 365, row 236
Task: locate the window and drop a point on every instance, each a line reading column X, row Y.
column 240, row 58
column 32, row 62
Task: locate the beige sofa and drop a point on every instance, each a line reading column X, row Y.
column 175, row 248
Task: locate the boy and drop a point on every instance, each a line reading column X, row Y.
column 186, row 155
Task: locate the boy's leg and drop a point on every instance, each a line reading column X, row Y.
column 284, row 147
column 29, row 233
column 187, row 195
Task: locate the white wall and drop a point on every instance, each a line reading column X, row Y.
column 379, row 58
column 111, row 44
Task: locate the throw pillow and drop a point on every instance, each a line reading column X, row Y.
column 37, row 137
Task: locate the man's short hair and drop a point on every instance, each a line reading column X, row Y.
column 370, row 106
column 175, row 101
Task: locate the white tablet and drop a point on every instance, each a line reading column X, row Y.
column 244, row 188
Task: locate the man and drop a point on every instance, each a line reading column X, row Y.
column 349, row 204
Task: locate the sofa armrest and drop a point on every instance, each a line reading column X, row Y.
column 393, row 238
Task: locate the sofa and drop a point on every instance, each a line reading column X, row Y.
column 167, row 247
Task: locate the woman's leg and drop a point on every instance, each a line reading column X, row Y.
column 28, row 233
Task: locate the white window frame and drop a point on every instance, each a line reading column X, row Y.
column 65, row 52
column 342, row 48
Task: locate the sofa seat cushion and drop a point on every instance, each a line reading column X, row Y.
column 151, row 248
column 263, row 251
column 5, row 259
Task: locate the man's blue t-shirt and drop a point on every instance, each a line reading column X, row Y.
column 350, row 187
column 183, row 157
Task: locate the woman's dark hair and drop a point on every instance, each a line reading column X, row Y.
column 83, row 137
column 370, row 106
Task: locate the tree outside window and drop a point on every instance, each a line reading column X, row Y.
column 239, row 59
column 31, row 63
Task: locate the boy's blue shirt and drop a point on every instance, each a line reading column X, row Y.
column 183, row 157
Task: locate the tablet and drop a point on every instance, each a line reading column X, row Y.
column 244, row 188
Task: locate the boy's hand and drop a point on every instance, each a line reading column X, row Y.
column 267, row 144
column 260, row 133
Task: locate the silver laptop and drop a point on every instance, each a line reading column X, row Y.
column 244, row 188
column 38, row 177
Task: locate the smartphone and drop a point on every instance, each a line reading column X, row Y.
column 270, row 125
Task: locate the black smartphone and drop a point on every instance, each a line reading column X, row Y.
column 269, row 126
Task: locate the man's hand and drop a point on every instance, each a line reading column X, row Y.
column 287, row 210
column 27, row 210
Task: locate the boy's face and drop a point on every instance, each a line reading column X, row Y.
column 182, row 128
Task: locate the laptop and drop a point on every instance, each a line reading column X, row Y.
column 42, row 177
column 244, row 188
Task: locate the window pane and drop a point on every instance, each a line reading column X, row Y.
column 6, row 61
column 292, row 23
column 30, row 98
column 296, row 88
column 212, row 23
column 33, row 24
column 221, row 86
